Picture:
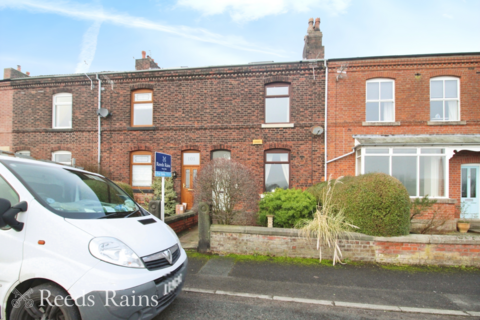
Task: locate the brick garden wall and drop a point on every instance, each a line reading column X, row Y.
column 412, row 249
column 181, row 222
column 346, row 107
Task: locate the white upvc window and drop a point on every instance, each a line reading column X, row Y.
column 142, row 108
column 141, row 169
column 380, row 100
column 63, row 157
column 445, row 99
column 423, row 171
column 62, row 111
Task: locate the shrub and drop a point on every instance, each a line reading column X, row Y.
column 170, row 194
column 227, row 187
column 376, row 203
column 288, row 206
column 126, row 187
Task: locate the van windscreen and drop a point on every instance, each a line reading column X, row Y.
column 74, row 194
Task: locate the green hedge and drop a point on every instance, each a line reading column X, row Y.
column 287, row 206
column 376, row 203
column 126, row 187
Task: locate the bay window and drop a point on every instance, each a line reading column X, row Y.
column 421, row 170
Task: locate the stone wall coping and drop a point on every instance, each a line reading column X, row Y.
column 412, row 238
column 285, row 232
column 178, row 217
column 432, row 239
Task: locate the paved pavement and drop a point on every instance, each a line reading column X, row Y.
column 365, row 287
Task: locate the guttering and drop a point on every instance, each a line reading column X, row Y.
column 99, row 118
column 326, row 118
column 345, row 155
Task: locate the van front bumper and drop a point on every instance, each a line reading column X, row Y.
column 142, row 302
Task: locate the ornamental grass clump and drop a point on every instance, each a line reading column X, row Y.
column 329, row 223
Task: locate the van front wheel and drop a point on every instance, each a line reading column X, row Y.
column 45, row 301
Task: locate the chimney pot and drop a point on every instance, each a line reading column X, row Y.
column 310, row 25
column 19, row 68
column 28, row 73
column 317, row 24
column 143, row 54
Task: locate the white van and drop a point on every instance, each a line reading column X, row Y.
column 73, row 245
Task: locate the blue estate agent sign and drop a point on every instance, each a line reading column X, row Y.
column 163, row 165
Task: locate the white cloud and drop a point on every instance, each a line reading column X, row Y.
column 89, row 46
column 247, row 10
column 88, row 12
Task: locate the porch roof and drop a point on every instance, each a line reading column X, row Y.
column 419, row 140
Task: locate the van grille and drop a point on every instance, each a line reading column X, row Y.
column 157, row 261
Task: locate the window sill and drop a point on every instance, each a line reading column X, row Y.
column 380, row 123
column 60, row 129
column 138, row 190
column 447, row 123
column 439, row 200
column 151, row 128
column 277, row 125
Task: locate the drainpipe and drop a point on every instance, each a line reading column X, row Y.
column 99, row 120
column 326, row 116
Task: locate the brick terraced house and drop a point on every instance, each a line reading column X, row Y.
column 416, row 118
column 260, row 114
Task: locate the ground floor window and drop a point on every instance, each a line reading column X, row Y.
column 421, row 170
column 141, row 169
column 277, row 169
column 63, row 157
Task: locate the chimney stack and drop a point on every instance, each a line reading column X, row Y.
column 146, row 63
column 19, row 68
column 28, row 73
column 313, row 48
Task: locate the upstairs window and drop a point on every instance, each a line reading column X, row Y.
column 444, row 99
column 142, row 108
column 380, row 104
column 141, row 169
column 62, row 111
column 217, row 154
column 277, row 103
column 63, row 157
column 277, row 169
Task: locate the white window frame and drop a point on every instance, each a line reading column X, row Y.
column 380, row 100
column 54, row 109
column 24, row 153
column 62, row 152
column 360, row 156
column 443, row 78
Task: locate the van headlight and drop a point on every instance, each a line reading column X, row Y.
column 114, row 251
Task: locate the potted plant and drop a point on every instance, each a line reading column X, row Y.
column 463, row 224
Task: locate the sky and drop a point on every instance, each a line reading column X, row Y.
column 62, row 36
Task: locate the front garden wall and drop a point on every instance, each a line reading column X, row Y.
column 412, row 249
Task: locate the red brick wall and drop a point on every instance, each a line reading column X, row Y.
column 6, row 103
column 200, row 109
column 346, row 105
column 184, row 224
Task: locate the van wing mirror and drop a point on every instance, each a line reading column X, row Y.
column 9, row 216
column 4, row 206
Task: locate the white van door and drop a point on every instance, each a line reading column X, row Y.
column 11, row 241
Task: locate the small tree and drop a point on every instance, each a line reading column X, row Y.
column 228, row 187
column 170, row 194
